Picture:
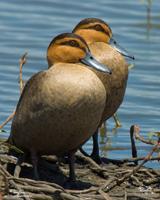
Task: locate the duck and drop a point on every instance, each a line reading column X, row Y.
column 99, row 37
column 59, row 109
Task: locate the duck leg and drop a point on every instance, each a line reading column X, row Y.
column 71, row 182
column 34, row 159
column 95, row 152
column 83, row 152
column 71, row 159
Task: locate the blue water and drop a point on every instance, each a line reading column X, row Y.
column 30, row 26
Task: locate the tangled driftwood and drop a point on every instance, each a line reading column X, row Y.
column 123, row 181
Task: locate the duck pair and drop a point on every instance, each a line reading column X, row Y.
column 60, row 108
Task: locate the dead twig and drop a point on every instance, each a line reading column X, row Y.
column 133, row 146
column 117, row 122
column 39, row 196
column 92, row 189
column 147, row 158
column 105, row 195
column 34, row 183
column 136, row 132
column 21, row 63
column 139, row 159
column 66, row 196
column 138, row 196
column 4, row 171
column 107, row 187
column 39, row 189
column 21, row 85
column 136, row 181
column 93, row 165
column 11, row 182
column 4, row 158
column 7, row 120
column 151, row 181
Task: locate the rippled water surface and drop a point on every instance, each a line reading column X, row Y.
column 30, row 26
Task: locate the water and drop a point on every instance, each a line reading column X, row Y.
column 30, row 26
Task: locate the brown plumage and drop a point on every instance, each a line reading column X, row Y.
column 116, row 83
column 98, row 34
column 59, row 108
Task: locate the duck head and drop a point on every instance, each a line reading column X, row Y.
column 71, row 48
column 96, row 30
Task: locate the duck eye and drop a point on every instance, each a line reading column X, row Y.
column 98, row 27
column 91, row 57
column 73, row 43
